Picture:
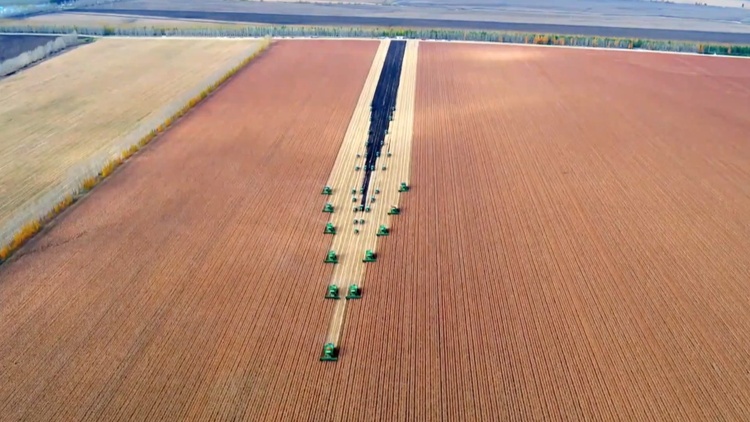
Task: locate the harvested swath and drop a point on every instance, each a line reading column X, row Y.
column 395, row 158
column 355, row 401
column 348, row 244
column 188, row 284
column 575, row 244
column 390, row 167
column 74, row 112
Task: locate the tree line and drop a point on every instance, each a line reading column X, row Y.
column 39, row 53
column 407, row 33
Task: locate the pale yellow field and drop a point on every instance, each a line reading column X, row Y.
column 63, row 116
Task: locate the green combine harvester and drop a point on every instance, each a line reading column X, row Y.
column 330, row 353
column 331, row 258
column 355, row 292
column 370, row 256
column 332, row 292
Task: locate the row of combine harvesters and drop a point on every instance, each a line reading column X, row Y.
column 354, row 291
column 382, row 109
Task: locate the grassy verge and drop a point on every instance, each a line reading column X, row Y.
column 236, row 30
column 31, row 228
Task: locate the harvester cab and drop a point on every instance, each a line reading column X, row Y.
column 354, row 292
column 330, row 353
column 332, row 292
column 331, row 258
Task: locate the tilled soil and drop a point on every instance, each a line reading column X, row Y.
column 189, row 285
column 575, row 245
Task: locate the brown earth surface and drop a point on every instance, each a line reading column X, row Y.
column 189, row 285
column 575, row 246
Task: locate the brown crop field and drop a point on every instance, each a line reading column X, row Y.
column 576, row 244
column 183, row 286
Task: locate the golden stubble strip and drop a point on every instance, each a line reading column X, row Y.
column 398, row 144
column 344, row 179
column 349, row 246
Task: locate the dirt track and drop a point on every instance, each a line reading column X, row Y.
column 575, row 245
column 189, row 284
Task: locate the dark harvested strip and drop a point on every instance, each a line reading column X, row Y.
column 383, row 105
